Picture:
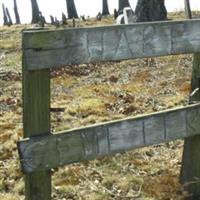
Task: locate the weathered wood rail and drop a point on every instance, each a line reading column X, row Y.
column 108, row 138
column 44, row 49
column 42, row 150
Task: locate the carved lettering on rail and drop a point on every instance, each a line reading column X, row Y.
column 85, row 45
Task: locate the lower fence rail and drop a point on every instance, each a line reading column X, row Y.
column 54, row 150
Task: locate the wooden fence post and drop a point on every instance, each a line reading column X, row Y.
column 190, row 172
column 36, row 121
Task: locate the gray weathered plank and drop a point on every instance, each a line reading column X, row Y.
column 39, row 153
column 44, row 49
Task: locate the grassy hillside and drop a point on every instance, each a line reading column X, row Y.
column 89, row 94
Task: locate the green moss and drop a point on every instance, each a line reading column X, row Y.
column 109, row 181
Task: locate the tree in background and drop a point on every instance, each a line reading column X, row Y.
column 17, row 18
column 115, row 13
column 5, row 18
column 188, row 11
column 35, row 12
column 52, row 19
column 123, row 4
column 71, row 9
column 42, row 21
column 64, row 19
column 150, row 10
column 105, row 10
column 9, row 17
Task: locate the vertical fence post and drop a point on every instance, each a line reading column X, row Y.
column 190, row 171
column 36, row 121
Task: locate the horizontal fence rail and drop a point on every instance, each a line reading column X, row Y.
column 45, row 49
column 50, row 151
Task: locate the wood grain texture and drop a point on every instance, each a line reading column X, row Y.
column 39, row 153
column 45, row 49
column 190, row 170
column 36, row 121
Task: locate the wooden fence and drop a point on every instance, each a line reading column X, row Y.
column 42, row 150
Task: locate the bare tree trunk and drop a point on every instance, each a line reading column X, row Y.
column 115, row 13
column 64, row 19
column 71, row 9
column 17, row 18
column 35, row 12
column 5, row 18
column 188, row 11
column 123, row 4
column 105, row 10
column 42, row 21
column 52, row 19
column 9, row 17
column 150, row 10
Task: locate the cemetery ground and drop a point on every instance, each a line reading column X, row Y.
column 88, row 94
